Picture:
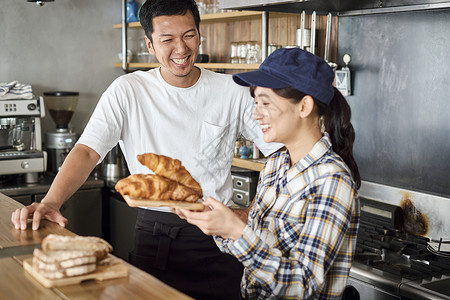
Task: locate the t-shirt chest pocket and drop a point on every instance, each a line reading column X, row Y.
column 215, row 143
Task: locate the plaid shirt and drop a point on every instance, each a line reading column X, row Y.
column 301, row 232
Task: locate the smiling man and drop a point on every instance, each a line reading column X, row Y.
column 177, row 110
column 175, row 41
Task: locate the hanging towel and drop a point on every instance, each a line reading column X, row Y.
column 15, row 90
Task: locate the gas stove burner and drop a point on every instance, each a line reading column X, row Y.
column 395, row 261
column 398, row 253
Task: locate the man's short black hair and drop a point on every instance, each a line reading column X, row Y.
column 155, row 8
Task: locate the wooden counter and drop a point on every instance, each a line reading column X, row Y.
column 12, row 238
column 250, row 164
column 16, row 284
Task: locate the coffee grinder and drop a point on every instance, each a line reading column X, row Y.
column 61, row 106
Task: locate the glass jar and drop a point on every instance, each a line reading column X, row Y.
column 234, row 52
column 242, row 52
column 143, row 54
column 253, row 53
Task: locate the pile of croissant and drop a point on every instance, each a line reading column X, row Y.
column 171, row 181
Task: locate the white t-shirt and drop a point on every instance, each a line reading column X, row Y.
column 197, row 125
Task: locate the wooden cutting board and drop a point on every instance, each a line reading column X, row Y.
column 115, row 268
column 135, row 202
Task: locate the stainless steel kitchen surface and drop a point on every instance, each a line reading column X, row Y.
column 393, row 259
column 400, row 94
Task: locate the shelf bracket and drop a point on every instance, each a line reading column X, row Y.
column 124, row 36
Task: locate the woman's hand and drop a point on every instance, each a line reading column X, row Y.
column 219, row 220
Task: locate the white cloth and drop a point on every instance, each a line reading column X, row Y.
column 197, row 125
column 15, row 90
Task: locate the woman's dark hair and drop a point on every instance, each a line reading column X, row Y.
column 156, row 8
column 336, row 119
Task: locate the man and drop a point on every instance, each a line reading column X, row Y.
column 177, row 110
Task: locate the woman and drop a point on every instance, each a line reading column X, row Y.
column 301, row 231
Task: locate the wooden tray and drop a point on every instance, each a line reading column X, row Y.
column 114, row 269
column 135, row 202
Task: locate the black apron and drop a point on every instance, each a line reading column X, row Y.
column 182, row 256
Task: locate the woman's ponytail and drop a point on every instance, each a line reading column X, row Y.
column 342, row 134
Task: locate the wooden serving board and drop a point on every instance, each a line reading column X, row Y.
column 135, row 202
column 115, row 269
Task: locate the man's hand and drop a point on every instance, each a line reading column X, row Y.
column 39, row 211
column 68, row 180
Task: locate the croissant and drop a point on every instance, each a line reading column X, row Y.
column 154, row 187
column 170, row 168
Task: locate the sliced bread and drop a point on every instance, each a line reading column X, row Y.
column 67, row 272
column 54, row 242
column 57, row 260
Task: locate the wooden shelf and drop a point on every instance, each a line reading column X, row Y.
column 210, row 17
column 226, row 66
column 249, row 164
column 241, row 15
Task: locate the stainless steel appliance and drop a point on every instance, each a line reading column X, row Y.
column 20, row 138
column 61, row 106
column 391, row 262
column 114, row 166
column 244, row 185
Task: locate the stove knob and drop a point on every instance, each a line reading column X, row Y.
column 25, row 165
column 31, row 106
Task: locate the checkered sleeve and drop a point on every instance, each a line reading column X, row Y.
column 316, row 238
column 222, row 244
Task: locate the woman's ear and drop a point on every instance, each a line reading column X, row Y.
column 306, row 106
column 149, row 45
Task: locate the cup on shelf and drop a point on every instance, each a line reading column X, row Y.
column 212, row 7
column 253, row 55
column 143, row 54
column 242, row 52
column 201, row 7
column 234, row 52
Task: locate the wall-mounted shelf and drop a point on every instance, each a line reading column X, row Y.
column 210, row 19
column 226, row 16
column 206, row 18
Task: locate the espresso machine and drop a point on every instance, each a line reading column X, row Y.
column 20, row 138
column 61, row 106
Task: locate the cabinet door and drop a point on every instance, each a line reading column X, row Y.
column 24, row 199
column 84, row 212
column 122, row 219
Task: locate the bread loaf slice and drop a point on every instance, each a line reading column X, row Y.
column 57, row 260
column 62, row 264
column 68, row 272
column 98, row 246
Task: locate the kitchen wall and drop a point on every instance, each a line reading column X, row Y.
column 64, row 45
column 400, row 102
column 399, row 64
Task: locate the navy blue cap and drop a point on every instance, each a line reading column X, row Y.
column 295, row 68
